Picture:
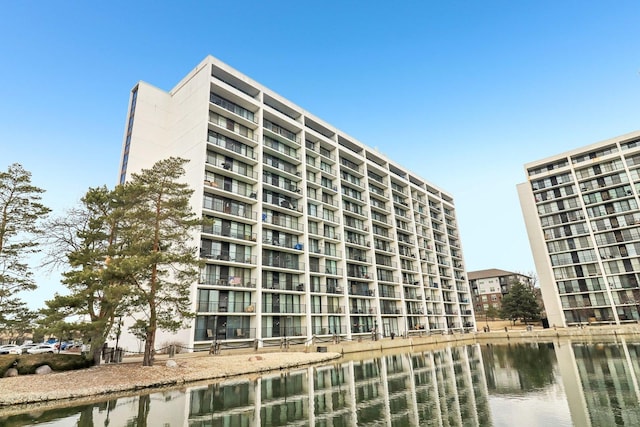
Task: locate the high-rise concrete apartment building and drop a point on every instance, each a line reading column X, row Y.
column 583, row 221
column 314, row 234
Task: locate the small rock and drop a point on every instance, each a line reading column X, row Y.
column 11, row 372
column 43, row 370
column 254, row 358
column 171, row 363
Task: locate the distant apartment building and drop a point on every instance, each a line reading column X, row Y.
column 314, row 234
column 583, row 221
column 489, row 286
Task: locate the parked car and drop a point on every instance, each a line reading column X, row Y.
column 73, row 347
column 10, row 349
column 42, row 348
column 25, row 347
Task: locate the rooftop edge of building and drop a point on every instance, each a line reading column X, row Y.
column 367, row 151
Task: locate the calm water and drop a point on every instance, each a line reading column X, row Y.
column 550, row 384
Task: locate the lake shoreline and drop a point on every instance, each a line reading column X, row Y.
column 108, row 381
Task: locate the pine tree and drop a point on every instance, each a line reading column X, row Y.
column 21, row 213
column 129, row 255
column 158, row 263
column 86, row 239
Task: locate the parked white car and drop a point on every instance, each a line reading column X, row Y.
column 10, row 349
column 25, row 347
column 41, row 348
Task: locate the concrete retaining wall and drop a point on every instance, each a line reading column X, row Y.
column 537, row 334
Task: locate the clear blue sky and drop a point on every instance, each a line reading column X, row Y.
column 463, row 93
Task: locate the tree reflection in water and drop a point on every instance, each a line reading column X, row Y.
column 534, row 364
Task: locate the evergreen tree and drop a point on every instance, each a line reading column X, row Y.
column 520, row 304
column 86, row 239
column 158, row 263
column 21, row 212
column 492, row 313
column 130, row 255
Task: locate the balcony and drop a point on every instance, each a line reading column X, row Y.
column 334, row 289
column 283, row 308
column 232, row 107
column 325, row 330
column 375, row 177
column 282, row 331
column 227, row 169
column 224, row 306
column 354, row 196
column 384, row 248
column 334, row 271
column 224, row 333
column 389, row 294
column 397, row 189
column 387, row 278
column 236, row 209
column 356, row 209
column 356, row 241
column 231, row 281
column 359, row 257
column 226, row 125
column 361, row 292
column 281, row 184
column 271, row 162
column 277, row 147
column 231, row 146
column 287, row 242
column 359, row 275
column 283, row 221
column 286, row 203
column 231, row 188
column 279, row 130
column 227, row 257
column 228, row 232
column 351, row 166
column 290, row 264
column 363, row 310
column 293, row 286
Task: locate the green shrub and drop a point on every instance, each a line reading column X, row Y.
column 28, row 363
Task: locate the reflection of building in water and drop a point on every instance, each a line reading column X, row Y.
column 235, row 400
column 601, row 382
column 166, row 408
column 444, row 387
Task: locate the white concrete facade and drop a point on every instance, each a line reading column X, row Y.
column 583, row 221
column 315, row 233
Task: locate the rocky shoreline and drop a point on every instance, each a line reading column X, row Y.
column 114, row 379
